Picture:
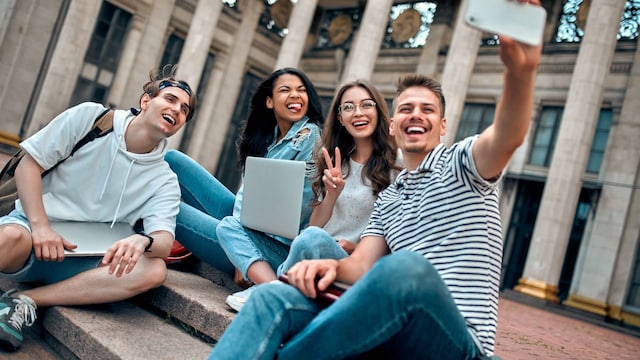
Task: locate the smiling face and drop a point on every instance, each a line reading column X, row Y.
column 289, row 100
column 358, row 113
column 417, row 124
column 168, row 111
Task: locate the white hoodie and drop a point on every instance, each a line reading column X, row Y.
column 103, row 182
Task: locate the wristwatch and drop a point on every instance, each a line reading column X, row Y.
column 148, row 248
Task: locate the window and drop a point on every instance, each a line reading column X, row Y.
column 544, row 140
column 600, row 141
column 475, row 118
column 103, row 55
column 171, row 54
column 227, row 170
column 574, row 16
column 276, row 16
column 409, row 24
column 337, row 26
column 547, row 131
column 230, row 3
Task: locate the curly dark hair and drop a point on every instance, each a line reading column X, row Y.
column 257, row 131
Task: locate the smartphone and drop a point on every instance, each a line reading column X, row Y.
column 521, row 22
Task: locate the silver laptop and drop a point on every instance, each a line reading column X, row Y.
column 272, row 196
column 92, row 238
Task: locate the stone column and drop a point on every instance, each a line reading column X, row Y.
column 6, row 9
column 126, row 64
column 232, row 82
column 296, row 39
column 458, row 68
column 624, row 265
column 428, row 62
column 196, row 49
column 66, row 63
column 564, row 182
column 591, row 286
column 366, row 46
column 439, row 35
column 206, row 110
column 149, row 51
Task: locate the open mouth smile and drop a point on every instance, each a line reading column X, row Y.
column 294, row 107
column 415, row 130
column 169, row 119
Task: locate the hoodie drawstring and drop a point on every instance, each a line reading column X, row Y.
column 106, row 181
column 113, row 161
column 124, row 186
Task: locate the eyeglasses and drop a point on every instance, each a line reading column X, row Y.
column 365, row 106
column 179, row 84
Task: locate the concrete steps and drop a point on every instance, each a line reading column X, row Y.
column 179, row 320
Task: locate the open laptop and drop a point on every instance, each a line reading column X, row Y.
column 272, row 196
column 92, row 238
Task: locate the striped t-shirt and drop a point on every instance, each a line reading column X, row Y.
column 445, row 211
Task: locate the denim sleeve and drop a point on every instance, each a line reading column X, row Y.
column 307, row 145
column 305, row 141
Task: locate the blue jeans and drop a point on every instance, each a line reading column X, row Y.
column 245, row 246
column 205, row 201
column 400, row 309
column 312, row 243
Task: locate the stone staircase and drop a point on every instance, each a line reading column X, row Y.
column 179, row 320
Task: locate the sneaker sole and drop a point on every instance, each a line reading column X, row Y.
column 8, row 341
column 234, row 303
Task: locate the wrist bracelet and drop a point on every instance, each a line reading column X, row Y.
column 148, row 248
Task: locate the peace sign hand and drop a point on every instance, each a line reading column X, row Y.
column 332, row 178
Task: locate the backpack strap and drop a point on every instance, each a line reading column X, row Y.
column 102, row 125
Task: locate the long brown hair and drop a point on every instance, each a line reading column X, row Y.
column 383, row 158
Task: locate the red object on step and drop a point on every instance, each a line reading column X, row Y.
column 178, row 253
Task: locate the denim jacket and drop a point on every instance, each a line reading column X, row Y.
column 295, row 145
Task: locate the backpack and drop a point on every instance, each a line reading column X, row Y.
column 102, row 125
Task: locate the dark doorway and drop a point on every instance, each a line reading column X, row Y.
column 523, row 220
column 518, row 238
column 227, row 170
column 583, row 210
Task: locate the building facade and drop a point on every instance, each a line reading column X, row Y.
column 570, row 197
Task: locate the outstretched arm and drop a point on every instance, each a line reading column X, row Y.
column 497, row 143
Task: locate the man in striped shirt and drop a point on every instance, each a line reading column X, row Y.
column 426, row 272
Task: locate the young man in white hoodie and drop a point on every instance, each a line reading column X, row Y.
column 121, row 177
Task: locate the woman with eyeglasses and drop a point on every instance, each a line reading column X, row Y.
column 357, row 128
column 284, row 123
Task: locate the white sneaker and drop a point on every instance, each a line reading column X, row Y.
column 237, row 300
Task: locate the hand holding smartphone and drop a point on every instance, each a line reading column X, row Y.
column 330, row 294
column 521, row 22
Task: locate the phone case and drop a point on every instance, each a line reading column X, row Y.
column 522, row 22
column 331, row 294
